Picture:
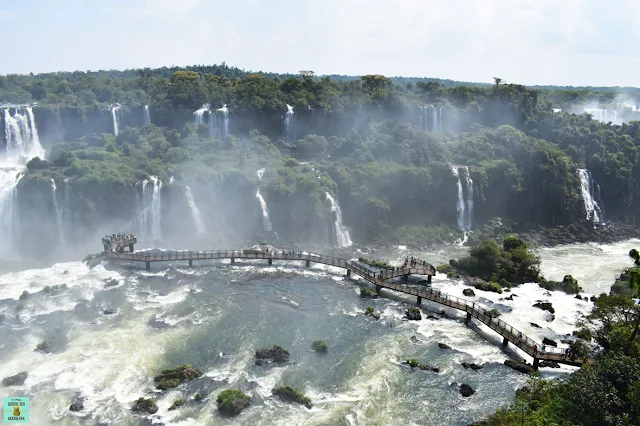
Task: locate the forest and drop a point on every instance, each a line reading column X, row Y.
column 384, row 147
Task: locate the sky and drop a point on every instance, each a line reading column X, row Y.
column 555, row 42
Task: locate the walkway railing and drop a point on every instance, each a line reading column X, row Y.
column 379, row 278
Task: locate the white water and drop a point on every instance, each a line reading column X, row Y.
column 195, row 212
column 150, row 214
column 58, row 212
column 225, row 120
column 114, row 115
column 591, row 207
column 603, row 115
column 266, row 220
column 147, row 115
column 464, row 206
column 288, row 118
column 342, row 233
column 22, row 144
column 198, row 116
column 156, row 209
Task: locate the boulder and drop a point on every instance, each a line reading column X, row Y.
column 466, row 390
column 433, row 317
column 231, row 402
column 444, row 346
column 17, row 380
column 145, row 405
column 276, row 354
column 545, row 306
column 173, row 377
column 110, row 282
column 549, row 342
column 550, row 364
column 468, row 292
column 108, row 311
column 578, row 297
column 520, row 366
column 77, row 404
column 413, row 314
column 534, row 325
column 472, row 366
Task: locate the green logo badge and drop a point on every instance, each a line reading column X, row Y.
column 16, row 409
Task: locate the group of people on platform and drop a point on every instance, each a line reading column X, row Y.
column 120, row 237
column 414, row 262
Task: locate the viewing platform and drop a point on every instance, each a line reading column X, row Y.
column 380, row 278
column 117, row 242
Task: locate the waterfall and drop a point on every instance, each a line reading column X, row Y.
column 195, row 213
column 266, row 221
column 58, row 212
column 114, row 115
column 342, row 234
column 464, row 206
column 591, row 207
column 21, row 144
column 156, row 210
column 288, row 118
column 147, row 115
column 150, row 216
column 198, row 116
column 172, row 179
column 602, row 115
column 225, row 120
column 440, row 119
column 434, row 119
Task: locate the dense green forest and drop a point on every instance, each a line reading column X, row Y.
column 382, row 146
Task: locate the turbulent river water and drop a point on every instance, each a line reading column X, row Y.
column 107, row 342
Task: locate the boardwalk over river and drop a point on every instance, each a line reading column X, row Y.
column 379, row 278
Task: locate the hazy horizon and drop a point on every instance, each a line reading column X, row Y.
column 574, row 43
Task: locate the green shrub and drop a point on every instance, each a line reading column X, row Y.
column 252, row 251
column 42, row 346
column 412, row 362
column 366, row 292
column 177, row 403
column 289, row 394
column 376, row 264
column 583, row 333
column 568, row 285
column 320, row 345
column 197, row 397
column 231, row 402
column 488, row 286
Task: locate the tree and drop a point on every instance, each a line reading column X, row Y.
column 635, row 256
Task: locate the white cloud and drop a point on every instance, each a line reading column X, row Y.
column 7, row 14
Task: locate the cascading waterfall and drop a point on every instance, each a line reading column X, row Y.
column 21, row 144
column 464, row 206
column 195, row 212
column 58, row 212
column 114, row 115
column 431, row 118
column 266, row 221
column 288, row 118
column 147, row 115
column 225, row 120
column 591, row 207
column 434, row 119
column 150, row 216
column 342, row 234
column 198, row 116
column 602, row 115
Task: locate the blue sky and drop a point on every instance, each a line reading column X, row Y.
column 564, row 42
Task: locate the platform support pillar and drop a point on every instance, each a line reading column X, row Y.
column 378, row 289
column 429, row 279
column 419, row 301
column 270, row 261
column 131, row 248
column 348, row 272
column 405, row 278
column 536, row 363
column 505, row 341
column 190, row 262
column 233, row 260
column 148, row 266
column 466, row 321
column 121, row 249
column 307, row 263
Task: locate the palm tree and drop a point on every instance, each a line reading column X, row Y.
column 497, row 80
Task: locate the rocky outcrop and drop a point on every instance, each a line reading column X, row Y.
column 472, row 366
column 17, row 380
column 549, row 342
column 77, row 404
column 289, row 394
column 145, row 405
column 276, row 354
column 549, row 364
column 173, row 377
column 413, row 363
column 545, row 306
column 520, row 366
column 231, row 402
column 534, row 325
column 444, row 346
column 110, row 282
column 413, row 314
column 468, row 292
column 466, row 390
